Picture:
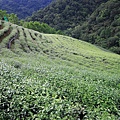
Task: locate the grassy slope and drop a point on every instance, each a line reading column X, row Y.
column 53, row 77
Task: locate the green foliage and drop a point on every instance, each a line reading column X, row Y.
column 102, row 27
column 41, row 27
column 22, row 8
column 50, row 77
column 96, row 22
column 11, row 17
column 65, row 14
column 115, row 49
column 44, row 89
column 3, row 13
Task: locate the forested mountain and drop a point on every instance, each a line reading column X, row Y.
column 23, row 8
column 102, row 27
column 64, row 14
column 95, row 21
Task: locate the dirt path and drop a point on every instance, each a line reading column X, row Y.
column 11, row 41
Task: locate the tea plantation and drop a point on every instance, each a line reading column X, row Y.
column 55, row 77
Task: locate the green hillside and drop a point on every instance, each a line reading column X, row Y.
column 94, row 21
column 55, row 77
column 102, row 27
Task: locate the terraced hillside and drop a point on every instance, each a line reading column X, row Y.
column 55, row 77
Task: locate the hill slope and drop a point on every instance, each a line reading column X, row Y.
column 46, row 76
column 96, row 22
column 23, row 8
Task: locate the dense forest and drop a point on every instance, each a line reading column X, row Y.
column 23, row 8
column 95, row 21
column 102, row 27
column 65, row 14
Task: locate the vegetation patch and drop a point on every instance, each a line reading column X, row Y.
column 52, row 77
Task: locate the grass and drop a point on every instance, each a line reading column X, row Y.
column 58, row 79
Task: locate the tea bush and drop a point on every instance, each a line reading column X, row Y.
column 56, row 92
column 56, row 77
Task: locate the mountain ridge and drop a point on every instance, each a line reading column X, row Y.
column 22, row 8
column 65, row 14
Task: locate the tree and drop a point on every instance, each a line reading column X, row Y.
column 3, row 13
column 113, row 41
column 41, row 27
column 13, row 18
